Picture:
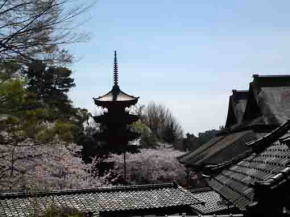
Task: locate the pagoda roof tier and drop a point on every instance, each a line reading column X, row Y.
column 118, row 118
column 119, row 139
column 116, row 97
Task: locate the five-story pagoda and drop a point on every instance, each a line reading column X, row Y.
column 115, row 130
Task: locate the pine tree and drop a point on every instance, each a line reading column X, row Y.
column 33, row 150
column 51, row 85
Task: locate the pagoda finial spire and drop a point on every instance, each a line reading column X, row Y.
column 115, row 69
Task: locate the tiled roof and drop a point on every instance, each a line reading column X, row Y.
column 98, row 200
column 213, row 202
column 213, row 215
column 189, row 158
column 268, row 101
column 121, row 96
column 219, row 149
column 116, row 95
column 268, row 162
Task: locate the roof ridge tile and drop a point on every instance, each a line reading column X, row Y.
column 85, row 191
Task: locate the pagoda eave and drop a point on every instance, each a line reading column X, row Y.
column 127, row 136
column 109, row 119
column 107, row 104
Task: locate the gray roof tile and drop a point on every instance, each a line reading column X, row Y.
column 271, row 156
column 212, row 202
column 98, row 200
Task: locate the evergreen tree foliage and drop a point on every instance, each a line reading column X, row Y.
column 147, row 138
column 51, row 84
column 36, row 150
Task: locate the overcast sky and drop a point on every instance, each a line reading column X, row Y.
column 186, row 54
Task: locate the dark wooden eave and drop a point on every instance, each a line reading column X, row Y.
column 116, row 97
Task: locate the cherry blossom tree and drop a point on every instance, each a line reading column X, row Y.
column 36, row 153
column 44, row 167
column 149, row 166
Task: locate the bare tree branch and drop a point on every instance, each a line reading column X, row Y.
column 2, row 5
column 31, row 29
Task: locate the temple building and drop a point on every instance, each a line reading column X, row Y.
column 116, row 132
column 251, row 115
column 257, row 182
column 247, row 163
